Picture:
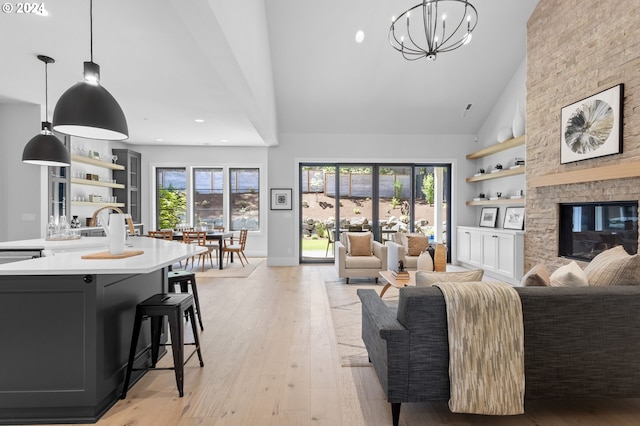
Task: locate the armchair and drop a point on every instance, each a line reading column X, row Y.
column 358, row 255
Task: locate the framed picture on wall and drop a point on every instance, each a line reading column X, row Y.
column 488, row 217
column 592, row 127
column 281, row 198
column 514, row 218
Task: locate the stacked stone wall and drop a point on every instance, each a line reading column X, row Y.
column 576, row 48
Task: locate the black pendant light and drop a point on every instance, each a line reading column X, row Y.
column 45, row 149
column 87, row 109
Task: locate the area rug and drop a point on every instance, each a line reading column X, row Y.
column 232, row 270
column 346, row 314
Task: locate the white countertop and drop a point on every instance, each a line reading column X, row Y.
column 66, row 258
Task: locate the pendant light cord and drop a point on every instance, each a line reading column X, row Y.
column 91, row 26
column 46, row 92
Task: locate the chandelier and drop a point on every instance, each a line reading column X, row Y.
column 445, row 26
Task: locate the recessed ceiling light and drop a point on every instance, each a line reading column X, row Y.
column 159, row 140
column 199, row 120
column 224, row 140
column 359, row 36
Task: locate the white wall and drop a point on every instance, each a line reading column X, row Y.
column 22, row 188
column 296, row 148
column 204, row 156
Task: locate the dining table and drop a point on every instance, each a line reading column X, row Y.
column 212, row 236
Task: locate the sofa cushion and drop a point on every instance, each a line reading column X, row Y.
column 427, row 279
column 360, row 245
column 401, row 238
column 614, row 267
column 416, row 245
column 570, row 275
column 537, row 276
column 362, row 262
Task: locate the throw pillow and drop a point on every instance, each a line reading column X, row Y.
column 537, row 276
column 614, row 267
column 427, row 279
column 360, row 245
column 425, row 262
column 570, row 275
column 416, row 245
column 403, row 239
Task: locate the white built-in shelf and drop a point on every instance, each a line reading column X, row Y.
column 499, row 147
column 91, row 204
column 94, row 162
column 501, row 201
column 97, row 183
column 496, row 175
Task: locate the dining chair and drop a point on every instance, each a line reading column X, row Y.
column 199, row 238
column 230, row 246
column 164, row 234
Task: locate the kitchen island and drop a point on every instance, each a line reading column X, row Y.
column 66, row 323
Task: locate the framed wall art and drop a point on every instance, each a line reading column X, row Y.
column 488, row 217
column 592, row 127
column 281, row 198
column 514, row 218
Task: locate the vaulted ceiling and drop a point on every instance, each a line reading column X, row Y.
column 252, row 69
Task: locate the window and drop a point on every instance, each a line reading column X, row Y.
column 208, row 204
column 244, row 199
column 171, row 197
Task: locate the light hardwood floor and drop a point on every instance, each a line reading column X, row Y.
column 270, row 359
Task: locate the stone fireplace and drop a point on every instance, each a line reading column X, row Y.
column 566, row 63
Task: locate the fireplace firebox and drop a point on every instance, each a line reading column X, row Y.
column 587, row 229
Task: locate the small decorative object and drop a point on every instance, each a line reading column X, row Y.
column 481, row 195
column 499, row 166
column 520, row 192
column 94, row 154
column 114, row 158
column 488, row 217
column 519, row 161
column 281, row 199
column 592, row 127
column 498, row 194
column 504, row 134
column 425, row 262
column 400, row 265
column 480, row 171
column 75, row 223
column 518, row 122
column 514, row 218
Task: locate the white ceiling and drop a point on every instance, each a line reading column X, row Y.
column 255, row 68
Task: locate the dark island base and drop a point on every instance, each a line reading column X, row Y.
column 65, row 344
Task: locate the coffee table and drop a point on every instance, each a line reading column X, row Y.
column 395, row 282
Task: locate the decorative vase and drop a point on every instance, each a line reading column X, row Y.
column 440, row 258
column 425, row 262
column 117, row 234
column 518, row 122
column 504, row 134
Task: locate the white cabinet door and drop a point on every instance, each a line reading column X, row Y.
column 475, row 248
column 489, row 251
column 463, row 245
column 505, row 259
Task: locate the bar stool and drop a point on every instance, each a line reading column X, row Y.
column 173, row 306
column 185, row 278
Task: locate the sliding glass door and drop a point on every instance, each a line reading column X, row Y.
column 382, row 198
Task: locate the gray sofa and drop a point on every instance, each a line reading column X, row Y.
column 580, row 342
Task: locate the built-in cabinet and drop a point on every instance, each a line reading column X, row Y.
column 519, row 170
column 129, row 180
column 500, row 252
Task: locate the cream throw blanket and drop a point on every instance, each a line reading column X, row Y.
column 486, row 348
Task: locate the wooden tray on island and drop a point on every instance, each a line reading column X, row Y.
column 107, row 255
